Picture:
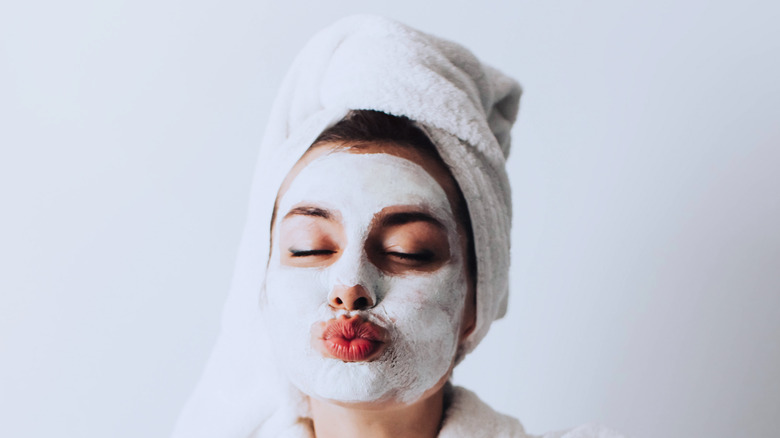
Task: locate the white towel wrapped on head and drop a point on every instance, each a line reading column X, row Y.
column 373, row 63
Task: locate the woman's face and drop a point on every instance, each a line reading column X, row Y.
column 367, row 282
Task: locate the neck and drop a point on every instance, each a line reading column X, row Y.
column 421, row 419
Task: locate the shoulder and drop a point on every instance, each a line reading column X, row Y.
column 584, row 431
column 468, row 416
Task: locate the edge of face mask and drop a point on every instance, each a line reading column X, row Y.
column 439, row 318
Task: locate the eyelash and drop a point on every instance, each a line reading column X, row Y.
column 425, row 256
column 310, row 252
column 416, row 257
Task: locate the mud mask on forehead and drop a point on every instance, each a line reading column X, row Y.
column 420, row 311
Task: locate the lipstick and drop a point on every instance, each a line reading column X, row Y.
column 350, row 339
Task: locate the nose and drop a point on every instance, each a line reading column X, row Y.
column 350, row 298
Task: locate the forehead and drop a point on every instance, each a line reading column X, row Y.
column 363, row 183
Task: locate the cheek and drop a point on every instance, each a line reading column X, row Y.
column 293, row 302
column 293, row 291
column 425, row 300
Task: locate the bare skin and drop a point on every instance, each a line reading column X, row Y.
column 421, row 419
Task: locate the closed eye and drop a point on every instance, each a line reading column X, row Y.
column 310, row 252
column 423, row 256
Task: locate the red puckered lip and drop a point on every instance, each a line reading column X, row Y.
column 350, row 339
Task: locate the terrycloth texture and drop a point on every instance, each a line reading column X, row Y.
column 586, row 431
column 466, row 417
column 361, row 62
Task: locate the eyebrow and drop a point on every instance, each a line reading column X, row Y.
column 408, row 217
column 310, row 211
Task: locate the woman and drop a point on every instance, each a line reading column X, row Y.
column 376, row 251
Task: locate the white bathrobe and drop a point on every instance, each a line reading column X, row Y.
column 467, row 109
column 466, row 417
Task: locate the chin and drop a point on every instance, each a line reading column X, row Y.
column 396, row 377
column 344, row 382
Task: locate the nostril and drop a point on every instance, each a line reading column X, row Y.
column 361, row 303
column 350, row 298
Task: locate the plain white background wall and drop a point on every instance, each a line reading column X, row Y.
column 646, row 194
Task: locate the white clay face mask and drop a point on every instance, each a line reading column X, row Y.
column 338, row 226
